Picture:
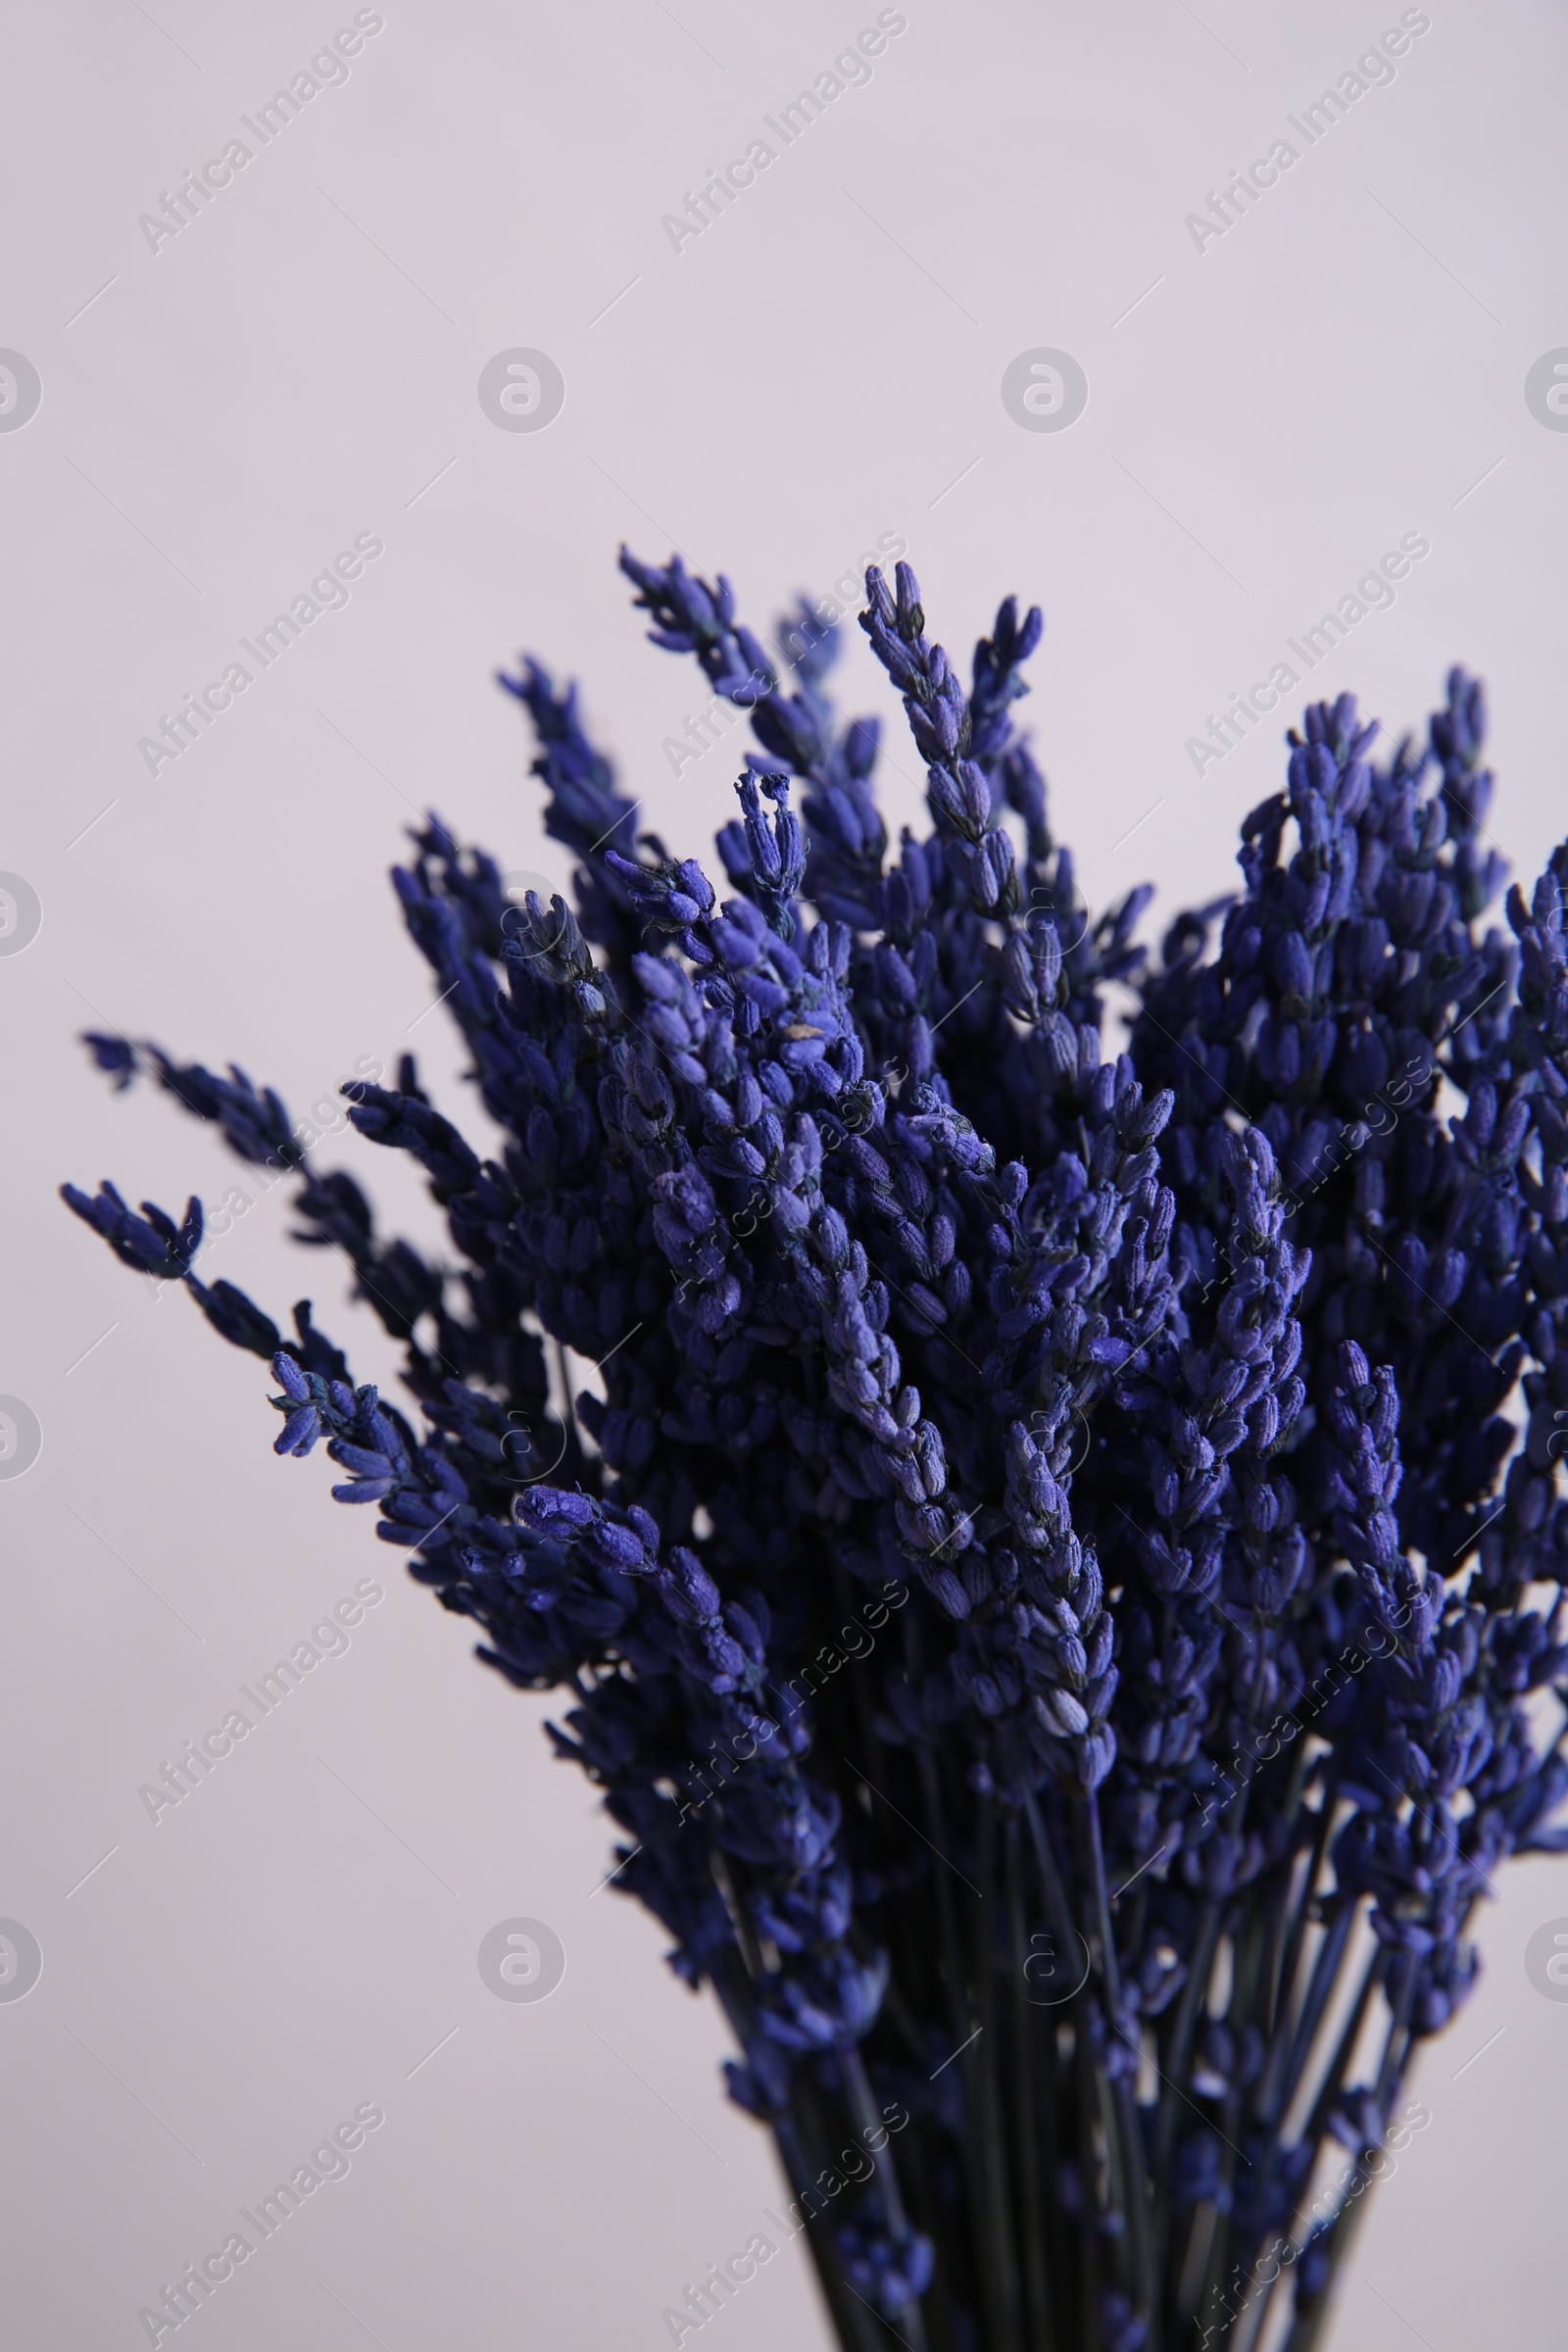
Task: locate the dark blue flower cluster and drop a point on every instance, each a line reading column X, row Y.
column 1050, row 1578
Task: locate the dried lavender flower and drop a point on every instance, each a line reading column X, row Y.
column 1050, row 1565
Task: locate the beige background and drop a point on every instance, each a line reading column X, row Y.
column 822, row 367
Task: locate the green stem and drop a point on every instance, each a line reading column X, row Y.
column 1027, row 2138
column 1319, row 1992
column 1001, row 2294
column 1329, row 2088
column 1093, row 2236
column 1173, row 2072
column 1290, row 1965
column 850, row 2318
column 1067, row 1938
column 868, row 2122
column 859, row 2329
column 1135, row 2200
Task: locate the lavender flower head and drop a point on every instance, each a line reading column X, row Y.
column 1047, row 1581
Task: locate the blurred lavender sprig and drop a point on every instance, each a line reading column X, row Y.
column 1049, row 1590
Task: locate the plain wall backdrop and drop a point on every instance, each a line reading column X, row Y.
column 1270, row 411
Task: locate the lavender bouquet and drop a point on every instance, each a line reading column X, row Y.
column 1042, row 1581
